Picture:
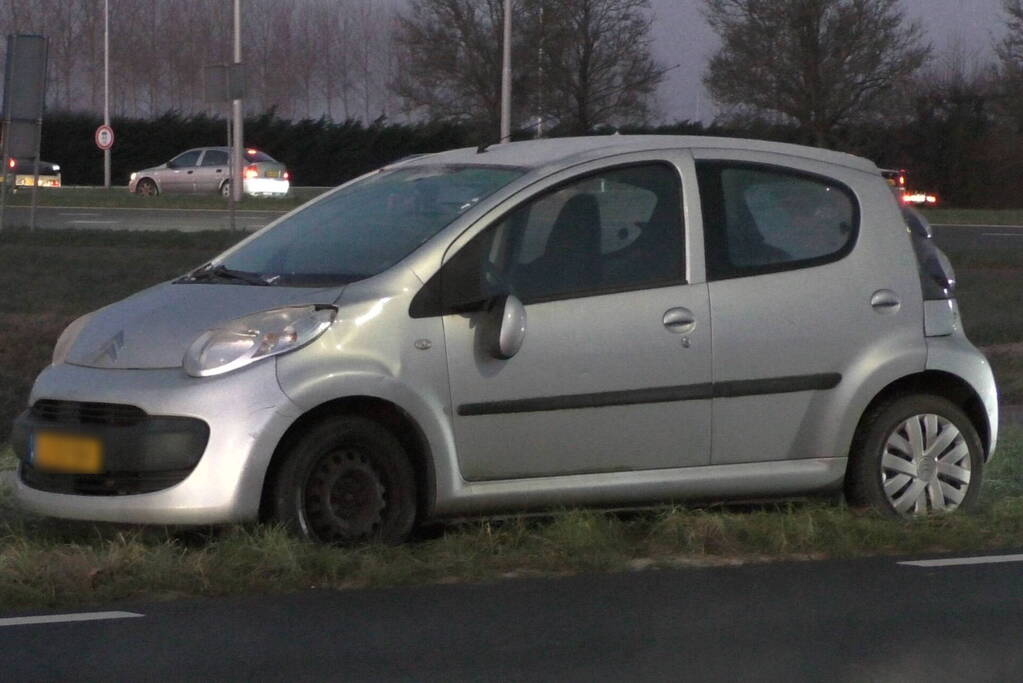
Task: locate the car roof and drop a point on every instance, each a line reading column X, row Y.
column 548, row 151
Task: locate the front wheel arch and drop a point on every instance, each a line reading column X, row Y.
column 389, row 415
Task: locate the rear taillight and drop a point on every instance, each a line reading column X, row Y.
column 937, row 277
column 251, row 172
column 11, row 163
column 286, row 176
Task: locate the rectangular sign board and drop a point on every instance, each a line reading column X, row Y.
column 25, row 78
column 224, row 82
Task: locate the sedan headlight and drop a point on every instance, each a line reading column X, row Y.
column 133, row 175
column 68, row 337
column 261, row 335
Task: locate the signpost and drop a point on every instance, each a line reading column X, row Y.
column 226, row 82
column 24, row 97
column 104, row 137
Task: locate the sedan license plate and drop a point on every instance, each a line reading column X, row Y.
column 272, row 174
column 67, row 453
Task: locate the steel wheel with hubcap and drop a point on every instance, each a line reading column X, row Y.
column 147, row 188
column 347, row 480
column 915, row 455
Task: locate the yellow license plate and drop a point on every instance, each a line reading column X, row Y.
column 68, row 453
column 272, row 174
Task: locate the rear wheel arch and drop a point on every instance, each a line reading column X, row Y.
column 389, row 415
column 947, row 386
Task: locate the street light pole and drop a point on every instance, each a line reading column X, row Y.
column 506, row 76
column 236, row 151
column 106, row 88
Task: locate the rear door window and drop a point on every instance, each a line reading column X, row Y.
column 760, row 219
column 215, row 157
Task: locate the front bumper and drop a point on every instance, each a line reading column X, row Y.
column 141, row 453
column 245, row 414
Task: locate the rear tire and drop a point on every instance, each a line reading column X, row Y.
column 347, row 480
column 225, row 189
column 913, row 455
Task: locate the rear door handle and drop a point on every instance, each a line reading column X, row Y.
column 885, row 301
column 679, row 320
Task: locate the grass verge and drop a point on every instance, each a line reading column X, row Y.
column 119, row 197
column 48, row 563
column 974, row 216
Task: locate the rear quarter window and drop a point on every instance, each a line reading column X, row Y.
column 761, row 219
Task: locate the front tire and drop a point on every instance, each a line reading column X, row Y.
column 147, row 188
column 347, row 480
column 914, row 455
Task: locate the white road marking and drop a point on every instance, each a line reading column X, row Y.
column 65, row 618
column 1017, row 235
column 80, row 214
column 959, row 561
column 93, row 222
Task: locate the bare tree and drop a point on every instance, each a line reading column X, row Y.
column 1010, row 55
column 576, row 63
column 450, row 52
column 591, row 61
column 821, row 63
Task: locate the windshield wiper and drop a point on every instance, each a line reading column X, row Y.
column 222, row 272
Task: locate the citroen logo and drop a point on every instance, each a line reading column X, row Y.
column 109, row 352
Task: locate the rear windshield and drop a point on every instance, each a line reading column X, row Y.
column 367, row 227
column 256, row 155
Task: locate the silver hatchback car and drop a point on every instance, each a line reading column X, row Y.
column 592, row 321
column 208, row 170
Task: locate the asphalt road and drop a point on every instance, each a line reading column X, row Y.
column 853, row 620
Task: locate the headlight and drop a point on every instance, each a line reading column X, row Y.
column 246, row 340
column 67, row 338
column 133, row 175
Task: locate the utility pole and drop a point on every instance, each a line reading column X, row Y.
column 236, row 150
column 106, row 88
column 506, row 76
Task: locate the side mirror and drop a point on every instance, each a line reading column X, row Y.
column 503, row 327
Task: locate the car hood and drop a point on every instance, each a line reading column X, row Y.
column 159, row 167
column 155, row 327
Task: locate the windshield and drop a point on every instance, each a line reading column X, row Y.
column 366, row 227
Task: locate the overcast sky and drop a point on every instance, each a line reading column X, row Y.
column 683, row 37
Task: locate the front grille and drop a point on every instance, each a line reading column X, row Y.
column 82, row 413
column 108, row 484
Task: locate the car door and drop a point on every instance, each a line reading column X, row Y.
column 179, row 176
column 211, row 172
column 614, row 373
column 794, row 280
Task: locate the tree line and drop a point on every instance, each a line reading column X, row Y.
column 854, row 75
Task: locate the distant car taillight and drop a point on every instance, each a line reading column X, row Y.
column 12, row 163
column 251, row 172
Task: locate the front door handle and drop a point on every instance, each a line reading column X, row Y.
column 679, row 320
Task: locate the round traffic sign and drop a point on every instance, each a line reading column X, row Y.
column 104, row 137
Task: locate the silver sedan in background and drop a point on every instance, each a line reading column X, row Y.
column 207, row 170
